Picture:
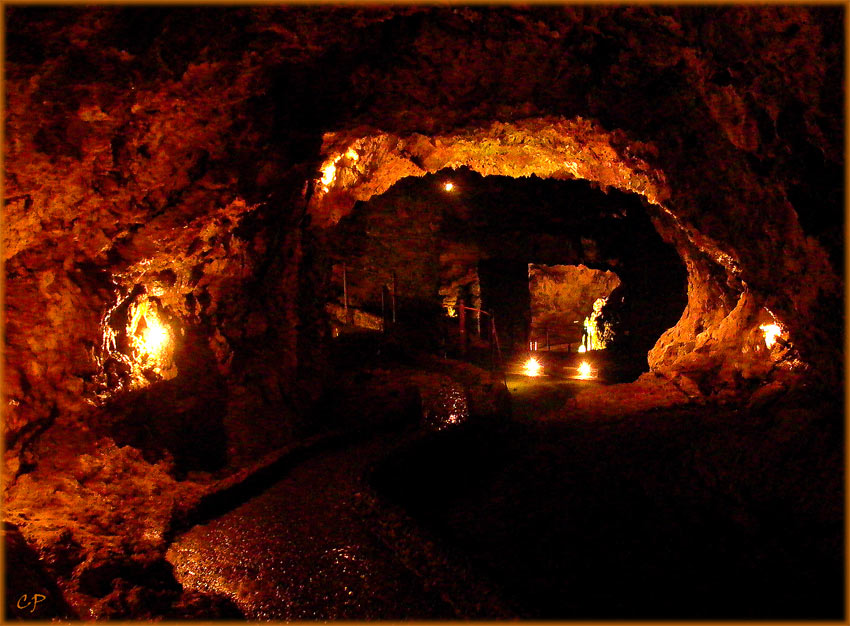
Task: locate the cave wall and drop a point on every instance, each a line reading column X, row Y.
column 396, row 233
column 131, row 155
column 459, row 275
column 142, row 161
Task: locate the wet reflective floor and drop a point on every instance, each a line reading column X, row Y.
column 444, row 406
column 299, row 551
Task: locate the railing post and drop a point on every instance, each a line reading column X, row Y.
column 462, row 318
column 384, row 308
column 348, row 315
column 395, row 291
column 495, row 336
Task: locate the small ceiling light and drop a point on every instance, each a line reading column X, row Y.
column 449, row 186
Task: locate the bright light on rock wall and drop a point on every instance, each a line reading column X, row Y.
column 138, row 347
column 152, row 344
column 771, row 332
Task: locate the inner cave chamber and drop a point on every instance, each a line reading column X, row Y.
column 274, row 275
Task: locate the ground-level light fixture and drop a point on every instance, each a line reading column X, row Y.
column 449, row 186
column 584, row 371
column 532, row 367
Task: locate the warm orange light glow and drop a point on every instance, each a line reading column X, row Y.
column 329, row 170
column 151, row 342
column 593, row 333
column 582, row 349
column 532, row 367
column 328, row 173
column 584, row 370
column 155, row 337
column 771, row 332
column 448, row 186
column 148, row 357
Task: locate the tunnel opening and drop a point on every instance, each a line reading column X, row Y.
column 410, row 257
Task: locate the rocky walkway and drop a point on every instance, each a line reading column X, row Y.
column 319, row 543
column 300, row 550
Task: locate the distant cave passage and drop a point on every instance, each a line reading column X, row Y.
column 563, row 301
column 535, row 252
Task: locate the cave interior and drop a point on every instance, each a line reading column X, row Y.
column 424, row 313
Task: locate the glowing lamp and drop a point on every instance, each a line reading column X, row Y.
column 582, row 349
column 448, row 186
column 532, row 367
column 584, row 370
column 771, row 332
column 155, row 337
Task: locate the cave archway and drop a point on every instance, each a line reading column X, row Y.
column 719, row 334
column 455, row 235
